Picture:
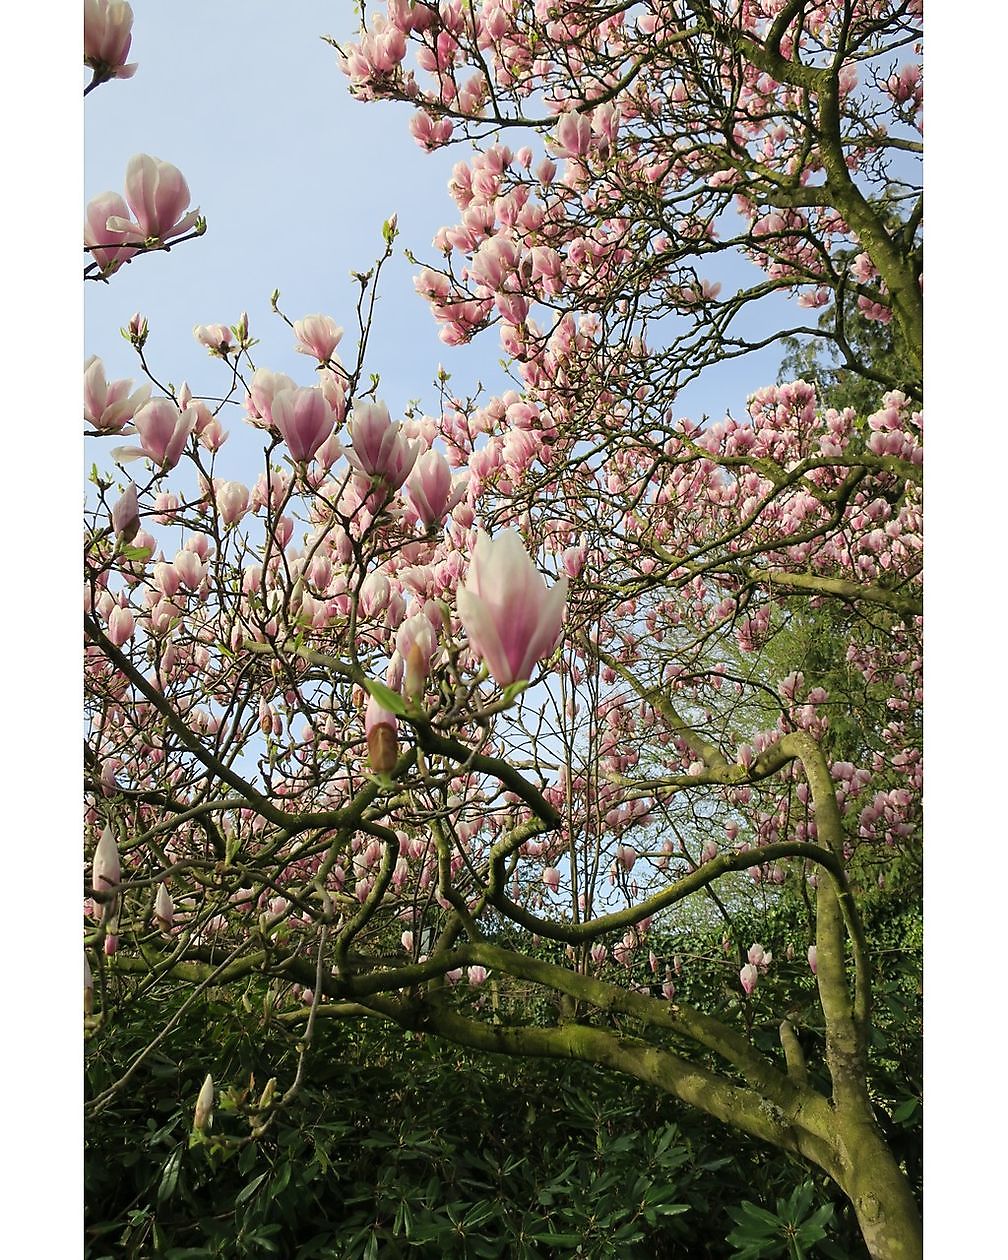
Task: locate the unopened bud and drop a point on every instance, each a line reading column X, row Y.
column 382, row 744
column 106, row 872
column 126, row 515
column 164, row 909
column 383, row 747
column 204, row 1106
column 136, row 330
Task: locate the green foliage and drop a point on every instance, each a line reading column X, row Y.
column 795, row 1230
column 874, row 348
column 398, row 1146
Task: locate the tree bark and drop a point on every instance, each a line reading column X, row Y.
column 883, row 1201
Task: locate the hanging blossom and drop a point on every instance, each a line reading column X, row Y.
column 511, row 617
column 108, row 33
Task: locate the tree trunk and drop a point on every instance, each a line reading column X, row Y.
column 886, row 1209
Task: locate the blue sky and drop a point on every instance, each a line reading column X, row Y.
column 295, row 179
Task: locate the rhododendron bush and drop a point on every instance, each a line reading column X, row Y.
column 443, row 712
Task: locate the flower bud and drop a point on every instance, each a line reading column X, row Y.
column 126, row 515
column 204, row 1106
column 382, row 744
column 164, row 909
column 106, row 872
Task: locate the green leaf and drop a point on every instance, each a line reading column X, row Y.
column 280, row 1184
column 905, row 1110
column 139, row 554
column 754, row 1213
column 248, row 1191
column 386, row 697
column 170, row 1175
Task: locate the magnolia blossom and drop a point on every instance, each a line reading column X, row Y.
column 813, row 959
column 158, row 195
column 512, row 619
column 105, row 206
column 120, row 625
column 164, row 430
column 304, row 420
column 749, row 976
column 264, row 387
column 317, row 335
column 218, row 338
column 108, row 407
column 760, row 957
column 108, row 27
column 416, row 643
column 379, row 448
column 232, row 500
column 551, row 878
column 431, row 489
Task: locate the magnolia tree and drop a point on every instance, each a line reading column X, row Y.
column 446, row 714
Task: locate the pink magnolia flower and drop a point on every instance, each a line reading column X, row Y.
column 431, row 488
column 304, row 419
column 512, row 619
column 108, row 27
column 158, row 196
column 813, row 958
column 760, row 957
column 120, row 625
column 573, row 134
column 551, row 878
column 218, row 338
column 97, row 234
column 416, row 643
column 108, row 407
column 232, row 500
column 749, row 976
column 626, row 855
column 164, row 430
column 317, row 335
column 477, row 975
column 379, row 448
column 263, row 389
